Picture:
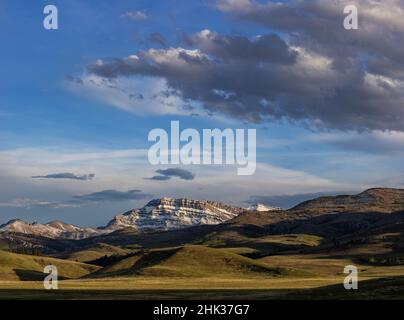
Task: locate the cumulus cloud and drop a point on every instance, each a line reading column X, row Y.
column 66, row 175
column 265, row 48
column 167, row 174
column 320, row 24
column 306, row 68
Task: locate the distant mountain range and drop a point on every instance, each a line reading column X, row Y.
column 158, row 215
column 54, row 229
column 169, row 221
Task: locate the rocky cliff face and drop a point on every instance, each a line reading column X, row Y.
column 169, row 214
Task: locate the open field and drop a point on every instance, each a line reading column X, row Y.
column 286, row 277
column 147, row 288
column 162, row 288
column 204, row 272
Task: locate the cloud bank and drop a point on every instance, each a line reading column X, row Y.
column 103, row 196
column 305, row 69
column 111, row 196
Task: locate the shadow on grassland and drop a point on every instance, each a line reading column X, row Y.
column 389, row 288
column 32, row 275
column 384, row 288
column 85, row 294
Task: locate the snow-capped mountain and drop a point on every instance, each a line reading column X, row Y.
column 262, row 207
column 54, row 229
column 169, row 214
column 157, row 215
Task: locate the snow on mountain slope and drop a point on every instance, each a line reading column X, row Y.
column 54, row 229
column 157, row 215
column 262, row 207
column 169, row 214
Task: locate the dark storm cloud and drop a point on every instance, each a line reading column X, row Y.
column 323, row 76
column 167, row 174
column 66, row 175
column 111, row 196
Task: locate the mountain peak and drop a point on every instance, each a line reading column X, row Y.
column 169, row 213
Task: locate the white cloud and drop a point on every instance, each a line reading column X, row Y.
column 140, row 95
column 136, row 15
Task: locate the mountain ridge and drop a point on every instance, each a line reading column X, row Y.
column 168, row 214
column 386, row 200
column 157, row 215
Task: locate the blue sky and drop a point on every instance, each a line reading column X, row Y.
column 57, row 116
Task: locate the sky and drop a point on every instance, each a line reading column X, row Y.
column 77, row 103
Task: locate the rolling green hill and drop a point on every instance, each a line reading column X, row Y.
column 95, row 252
column 24, row 267
column 190, row 261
